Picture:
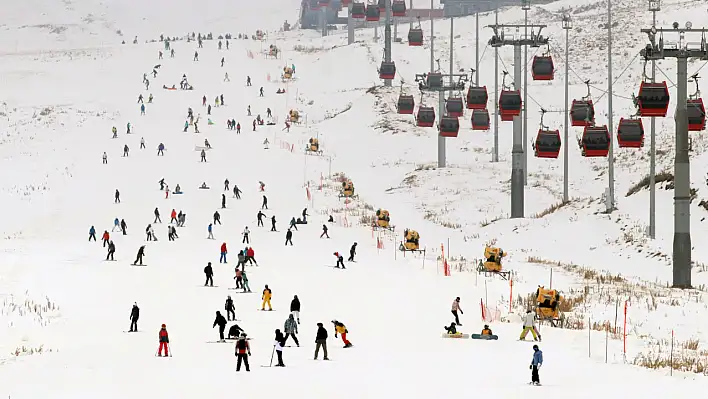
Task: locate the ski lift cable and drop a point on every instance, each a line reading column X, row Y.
column 604, row 92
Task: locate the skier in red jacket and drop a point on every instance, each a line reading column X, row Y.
column 222, row 259
column 164, row 341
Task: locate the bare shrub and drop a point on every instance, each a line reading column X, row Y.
column 644, row 183
column 550, row 209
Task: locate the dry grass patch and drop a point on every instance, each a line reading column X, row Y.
column 686, row 356
column 550, row 209
column 660, row 177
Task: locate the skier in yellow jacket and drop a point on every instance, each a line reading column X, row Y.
column 341, row 329
column 267, row 294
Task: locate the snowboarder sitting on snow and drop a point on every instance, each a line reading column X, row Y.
column 204, row 186
column 452, row 329
column 178, row 190
column 486, row 330
column 341, row 329
column 235, row 331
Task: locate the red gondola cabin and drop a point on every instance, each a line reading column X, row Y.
column 477, row 97
column 653, row 99
column 630, row 133
column 358, row 11
column 387, row 70
column 398, row 8
column 509, row 104
column 373, row 14
column 449, row 126
column 595, row 141
column 425, row 117
column 542, row 68
column 696, row 115
column 582, row 113
column 547, row 144
column 406, row 104
column 480, row 119
column 454, row 106
column 415, row 37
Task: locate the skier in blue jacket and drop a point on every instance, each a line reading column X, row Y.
column 536, row 363
column 92, row 233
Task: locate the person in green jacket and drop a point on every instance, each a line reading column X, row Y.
column 246, row 288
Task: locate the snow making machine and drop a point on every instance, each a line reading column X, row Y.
column 492, row 262
column 313, row 147
column 547, row 302
column 294, row 116
column 411, row 242
column 347, row 190
column 287, row 74
column 383, row 220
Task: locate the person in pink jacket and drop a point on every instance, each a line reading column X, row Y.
column 455, row 308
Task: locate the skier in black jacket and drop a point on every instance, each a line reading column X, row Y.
column 272, row 222
column 217, row 218
column 289, row 237
column 221, row 322
column 295, row 308
column 265, row 203
column 223, row 201
column 230, row 309
column 321, row 341
column 139, row 257
column 134, row 316
column 260, row 216
column 111, row 250
column 209, row 275
column 352, row 252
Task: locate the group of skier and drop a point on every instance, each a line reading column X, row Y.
column 290, row 328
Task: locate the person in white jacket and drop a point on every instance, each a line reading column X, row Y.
column 455, row 308
column 278, row 348
column 529, row 325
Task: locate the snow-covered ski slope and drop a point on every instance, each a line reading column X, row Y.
column 64, row 309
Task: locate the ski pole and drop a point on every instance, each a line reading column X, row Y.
column 271, row 356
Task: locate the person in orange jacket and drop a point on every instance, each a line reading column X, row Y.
column 164, row 341
column 341, row 329
column 267, row 294
column 105, row 237
column 173, row 216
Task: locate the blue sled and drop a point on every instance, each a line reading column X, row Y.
column 487, row 337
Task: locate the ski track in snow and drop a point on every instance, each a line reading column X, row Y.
column 67, row 81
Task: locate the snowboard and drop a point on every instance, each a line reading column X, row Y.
column 485, row 337
column 241, row 292
column 266, row 310
column 217, row 342
column 458, row 335
column 209, row 286
column 130, row 332
column 137, row 265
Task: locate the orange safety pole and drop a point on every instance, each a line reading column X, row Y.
column 511, row 289
column 624, row 330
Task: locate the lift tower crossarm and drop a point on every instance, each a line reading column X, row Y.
column 534, row 40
